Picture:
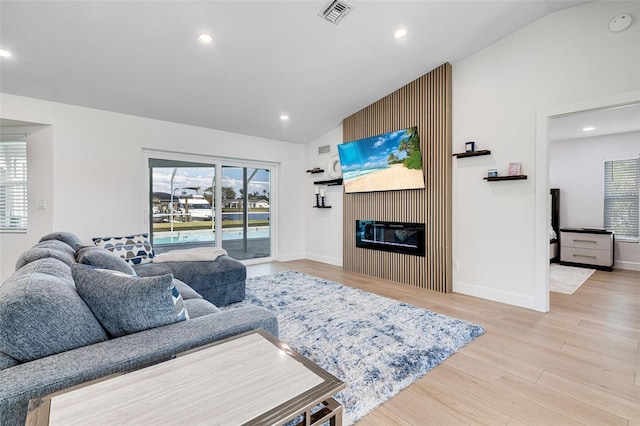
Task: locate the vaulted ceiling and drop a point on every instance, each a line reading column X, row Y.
column 267, row 58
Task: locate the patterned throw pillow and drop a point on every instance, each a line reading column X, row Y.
column 125, row 304
column 135, row 249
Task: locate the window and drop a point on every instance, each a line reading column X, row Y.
column 211, row 204
column 13, row 184
column 621, row 198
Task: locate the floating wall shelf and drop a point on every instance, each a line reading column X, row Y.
column 472, row 154
column 496, row 178
column 331, row 182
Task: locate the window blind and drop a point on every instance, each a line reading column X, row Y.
column 13, row 185
column 621, row 197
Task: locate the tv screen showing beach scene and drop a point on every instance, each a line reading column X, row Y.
column 387, row 162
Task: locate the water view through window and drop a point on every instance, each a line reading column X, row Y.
column 190, row 206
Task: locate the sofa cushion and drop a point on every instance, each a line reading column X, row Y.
column 127, row 304
column 68, row 238
column 103, row 258
column 220, row 281
column 7, row 361
column 53, row 248
column 41, row 314
column 135, row 249
column 186, row 291
column 199, row 307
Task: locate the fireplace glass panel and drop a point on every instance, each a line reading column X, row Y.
column 397, row 237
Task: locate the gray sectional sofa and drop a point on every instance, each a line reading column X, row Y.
column 70, row 314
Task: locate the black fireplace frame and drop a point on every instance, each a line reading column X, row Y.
column 382, row 235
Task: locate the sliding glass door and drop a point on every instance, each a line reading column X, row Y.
column 246, row 212
column 196, row 204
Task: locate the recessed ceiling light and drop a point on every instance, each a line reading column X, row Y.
column 588, row 129
column 284, row 117
column 620, row 23
column 400, row 33
column 5, row 53
column 205, row 38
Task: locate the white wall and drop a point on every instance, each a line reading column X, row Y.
column 96, row 169
column 577, row 168
column 564, row 58
column 39, row 186
column 324, row 226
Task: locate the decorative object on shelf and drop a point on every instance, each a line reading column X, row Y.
column 321, row 195
column 515, row 169
column 334, row 170
column 315, row 170
column 492, row 173
column 473, row 154
column 470, row 146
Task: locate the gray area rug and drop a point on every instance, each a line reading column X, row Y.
column 567, row 279
column 376, row 345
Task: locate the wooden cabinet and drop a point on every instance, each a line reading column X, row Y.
column 587, row 247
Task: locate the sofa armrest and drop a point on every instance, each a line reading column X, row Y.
column 56, row 372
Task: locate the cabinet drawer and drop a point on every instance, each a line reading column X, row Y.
column 587, row 241
column 586, row 256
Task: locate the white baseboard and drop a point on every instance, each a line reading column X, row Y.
column 630, row 266
column 288, row 257
column 325, row 259
column 520, row 300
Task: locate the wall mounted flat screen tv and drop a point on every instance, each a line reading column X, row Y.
column 387, row 162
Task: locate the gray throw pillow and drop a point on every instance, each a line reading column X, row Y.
column 103, row 258
column 41, row 314
column 126, row 304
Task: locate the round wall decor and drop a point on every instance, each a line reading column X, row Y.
column 333, row 168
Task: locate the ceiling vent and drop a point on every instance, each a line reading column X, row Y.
column 335, row 10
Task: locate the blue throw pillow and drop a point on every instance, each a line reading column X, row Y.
column 125, row 304
column 135, row 249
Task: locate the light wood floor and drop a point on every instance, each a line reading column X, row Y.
column 577, row 364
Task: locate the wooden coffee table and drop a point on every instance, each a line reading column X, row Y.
column 252, row 379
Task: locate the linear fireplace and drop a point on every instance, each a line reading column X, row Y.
column 397, row 237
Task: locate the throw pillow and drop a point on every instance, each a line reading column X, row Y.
column 135, row 249
column 103, row 258
column 126, row 304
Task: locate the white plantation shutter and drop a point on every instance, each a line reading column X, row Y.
column 13, row 183
column 621, row 197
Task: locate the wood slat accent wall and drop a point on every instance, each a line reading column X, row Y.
column 425, row 103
